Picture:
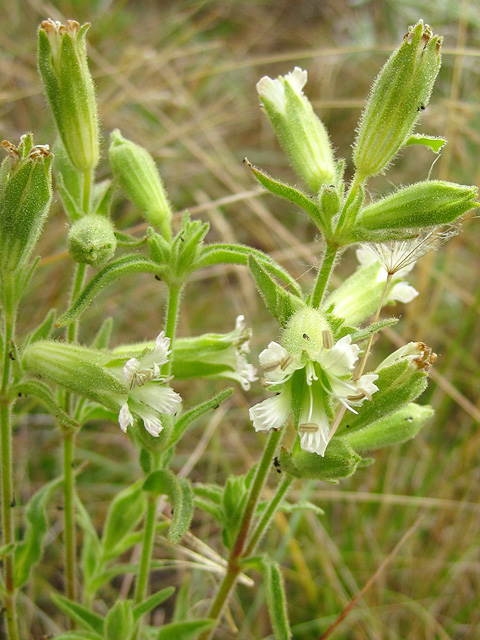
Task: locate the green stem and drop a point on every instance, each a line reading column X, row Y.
column 234, row 566
column 268, row 515
column 79, row 278
column 141, row 586
column 68, row 497
column 147, row 548
column 323, row 276
column 87, row 189
column 7, row 477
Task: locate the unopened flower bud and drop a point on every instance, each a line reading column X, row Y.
column 25, row 194
column 394, row 429
column 431, row 203
column 301, row 133
column 92, row 240
column 399, row 95
column 62, row 60
column 139, row 178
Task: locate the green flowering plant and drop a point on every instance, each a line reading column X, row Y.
column 328, row 405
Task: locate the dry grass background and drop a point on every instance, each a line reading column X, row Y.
column 179, row 78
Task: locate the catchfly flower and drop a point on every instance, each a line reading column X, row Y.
column 148, row 395
column 310, row 380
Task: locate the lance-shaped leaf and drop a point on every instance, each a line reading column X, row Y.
column 125, row 266
column 29, row 551
column 119, row 622
column 435, row 143
column 276, row 599
column 150, row 603
column 281, row 304
column 81, row 615
column 180, row 495
column 124, row 513
column 396, row 428
column 239, row 254
column 185, row 630
column 286, row 191
column 43, row 331
column 187, row 418
column 42, row 392
column 91, row 548
column 70, row 206
column 79, row 635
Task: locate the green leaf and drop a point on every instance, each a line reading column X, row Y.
column 7, row 549
column 281, row 304
column 306, row 505
column 150, row 603
column 102, row 339
column 79, row 635
column 43, row 331
column 84, row 617
column 91, row 548
column 239, row 254
column 187, row 418
column 286, row 191
column 42, row 392
column 180, row 495
column 126, row 240
column 102, row 197
column 29, row 551
column 276, row 600
column 119, row 622
column 184, row 630
column 70, row 207
column 362, row 334
column 123, row 515
column 435, row 143
column 114, row 271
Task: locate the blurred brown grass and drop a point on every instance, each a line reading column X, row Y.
column 179, row 78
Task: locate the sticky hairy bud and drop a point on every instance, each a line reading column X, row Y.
column 92, row 240
column 138, row 175
column 399, row 94
column 25, row 195
column 301, row 133
column 307, row 330
column 63, row 65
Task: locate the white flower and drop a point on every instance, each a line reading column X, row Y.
column 401, row 290
column 274, row 90
column 148, row 396
column 329, row 380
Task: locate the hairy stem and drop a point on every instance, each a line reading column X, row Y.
column 8, row 495
column 323, row 276
column 237, row 552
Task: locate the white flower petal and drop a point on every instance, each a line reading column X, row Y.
column 246, row 371
column 125, row 418
column 271, row 413
column 157, row 396
column 365, row 257
column 129, row 370
column 402, row 292
column 314, row 437
column 340, row 359
column 151, row 420
column 273, row 91
column 297, row 79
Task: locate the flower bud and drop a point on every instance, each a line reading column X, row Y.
column 212, row 355
column 92, row 240
column 402, row 377
column 399, row 94
column 339, row 461
column 25, row 194
column 301, row 133
column 394, row 429
column 62, row 60
column 307, row 330
column 430, row 203
column 77, row 369
column 139, row 178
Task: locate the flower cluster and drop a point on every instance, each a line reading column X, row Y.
column 309, row 386
column 148, row 395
